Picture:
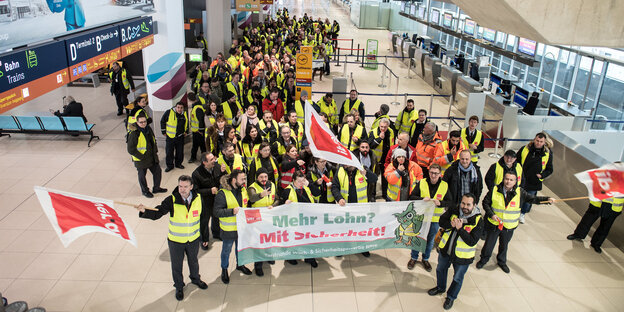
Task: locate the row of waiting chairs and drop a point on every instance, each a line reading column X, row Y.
column 46, row 125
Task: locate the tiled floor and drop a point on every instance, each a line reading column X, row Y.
column 101, row 273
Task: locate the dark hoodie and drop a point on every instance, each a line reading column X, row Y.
column 166, row 207
column 221, row 206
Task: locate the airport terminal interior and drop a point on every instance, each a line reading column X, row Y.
column 579, row 96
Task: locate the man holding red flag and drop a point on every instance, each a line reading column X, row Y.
column 184, row 208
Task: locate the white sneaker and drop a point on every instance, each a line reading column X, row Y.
column 522, row 218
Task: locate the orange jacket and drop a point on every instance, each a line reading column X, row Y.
column 415, row 174
column 442, row 154
column 425, row 151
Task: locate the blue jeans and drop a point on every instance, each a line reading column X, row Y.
column 433, row 229
column 444, row 262
column 226, row 249
column 526, row 207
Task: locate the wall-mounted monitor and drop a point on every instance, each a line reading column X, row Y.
column 469, row 27
column 527, row 46
column 435, row 17
column 403, row 4
column 489, row 34
column 413, row 10
column 421, row 12
column 448, row 20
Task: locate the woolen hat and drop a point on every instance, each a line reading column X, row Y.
column 398, row 152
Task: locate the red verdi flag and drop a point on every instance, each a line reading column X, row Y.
column 604, row 182
column 324, row 144
column 73, row 215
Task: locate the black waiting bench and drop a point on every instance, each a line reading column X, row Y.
column 46, row 125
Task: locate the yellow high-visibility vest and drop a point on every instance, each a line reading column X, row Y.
column 267, row 200
column 194, row 120
column 172, row 123
column 228, row 224
column 361, row 185
column 462, row 250
column 345, row 137
column 439, row 195
column 184, row 224
column 477, row 141
column 510, row 214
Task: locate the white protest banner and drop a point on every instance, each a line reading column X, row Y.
column 304, row 230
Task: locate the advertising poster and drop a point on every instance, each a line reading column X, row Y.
column 28, row 21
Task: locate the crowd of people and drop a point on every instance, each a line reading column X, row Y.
column 247, row 122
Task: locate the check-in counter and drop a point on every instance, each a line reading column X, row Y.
column 463, row 87
column 448, row 80
column 417, row 62
column 432, row 68
column 405, row 48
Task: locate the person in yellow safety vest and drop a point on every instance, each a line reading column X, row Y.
column 236, row 87
column 537, row 164
column 507, row 163
column 250, row 144
column 234, row 60
column 299, row 106
column 144, row 150
column 406, row 117
column 299, row 192
column 138, row 110
column 607, row 210
column 320, row 175
column 198, row 125
column 448, row 151
column 185, row 209
column 278, row 148
column 121, row 84
column 296, row 128
column 350, row 185
column 327, row 105
column 231, row 197
column 231, row 109
column 402, row 175
column 418, row 124
column 351, row 133
column 462, row 226
column 329, row 52
column 174, row 126
column 197, row 75
column 433, row 189
column 229, row 161
column 269, row 129
column 502, row 211
column 262, row 194
column 352, row 103
column 264, row 160
column 473, row 138
column 382, row 113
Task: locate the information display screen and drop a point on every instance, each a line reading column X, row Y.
column 421, row 12
column 29, row 73
column 136, row 35
column 469, row 27
column 91, row 51
column 435, row 17
column 448, row 20
column 413, row 10
column 527, row 46
column 489, row 34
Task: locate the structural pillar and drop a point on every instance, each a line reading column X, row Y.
column 164, row 61
column 218, row 30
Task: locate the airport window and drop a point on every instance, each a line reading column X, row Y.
column 611, row 102
column 565, row 73
column 582, row 77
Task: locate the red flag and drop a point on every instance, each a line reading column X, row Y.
column 73, row 215
column 323, row 143
column 604, row 182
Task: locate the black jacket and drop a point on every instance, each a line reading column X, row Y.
column 150, row 157
column 533, row 165
column 471, row 238
column 181, row 122
column 322, row 189
column 221, row 206
column 490, row 176
column 73, row 109
column 143, row 113
column 524, row 198
column 452, row 177
column 335, row 188
column 166, row 207
column 266, row 164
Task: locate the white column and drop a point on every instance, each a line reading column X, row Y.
column 218, row 26
column 164, row 61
